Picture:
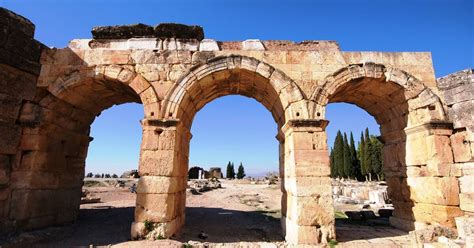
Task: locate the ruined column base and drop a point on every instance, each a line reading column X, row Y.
column 155, row 231
column 406, row 225
column 306, row 235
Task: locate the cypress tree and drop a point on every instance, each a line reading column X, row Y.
column 228, row 172
column 376, row 158
column 240, row 171
column 362, row 157
column 367, row 155
column 347, row 158
column 232, row 170
column 331, row 162
column 339, row 155
column 355, row 171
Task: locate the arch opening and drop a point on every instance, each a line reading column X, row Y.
column 56, row 137
column 408, row 114
column 222, row 134
column 222, row 76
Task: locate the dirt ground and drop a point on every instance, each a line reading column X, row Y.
column 235, row 213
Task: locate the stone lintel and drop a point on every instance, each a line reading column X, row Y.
column 432, row 127
column 305, row 125
column 160, row 122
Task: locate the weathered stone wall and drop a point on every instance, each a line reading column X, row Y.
column 457, row 92
column 48, row 130
column 19, row 69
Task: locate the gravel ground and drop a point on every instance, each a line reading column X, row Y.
column 235, row 213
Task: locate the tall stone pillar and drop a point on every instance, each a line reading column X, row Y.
column 307, row 205
column 427, row 192
column 161, row 190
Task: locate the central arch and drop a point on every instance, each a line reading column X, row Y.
column 307, row 215
column 231, row 75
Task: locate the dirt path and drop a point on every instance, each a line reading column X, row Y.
column 235, row 213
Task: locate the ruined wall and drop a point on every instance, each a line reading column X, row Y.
column 457, row 91
column 19, row 69
column 46, row 121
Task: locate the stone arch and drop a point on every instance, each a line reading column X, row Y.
column 165, row 147
column 56, row 135
column 234, row 74
column 415, row 131
column 401, row 84
column 100, row 87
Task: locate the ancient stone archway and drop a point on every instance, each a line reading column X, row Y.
column 49, row 167
column 168, row 163
column 51, row 96
column 415, row 131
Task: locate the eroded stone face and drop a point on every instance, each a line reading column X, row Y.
column 174, row 72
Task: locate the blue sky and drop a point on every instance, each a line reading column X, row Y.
column 237, row 128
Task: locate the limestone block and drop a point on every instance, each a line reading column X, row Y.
column 462, row 114
column 310, row 157
column 27, row 203
column 466, row 184
column 307, row 211
column 460, row 143
column 434, row 190
column 430, row 213
column 416, row 150
column 466, row 201
column 208, row 45
column 34, row 180
column 439, row 149
column 308, row 141
column 160, row 184
column 187, row 44
column 308, row 186
column 155, row 207
column 148, row 96
column 307, row 235
column 14, row 82
column 159, row 163
column 467, row 169
column 461, row 93
column 144, row 43
column 104, row 57
column 36, row 142
column 464, row 225
column 253, row 44
column 397, row 189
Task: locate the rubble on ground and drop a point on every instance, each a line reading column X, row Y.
column 87, row 197
column 197, row 186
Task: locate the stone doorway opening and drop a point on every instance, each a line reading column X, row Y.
column 233, row 210
column 361, row 203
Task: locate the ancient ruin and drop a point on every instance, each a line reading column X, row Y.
column 50, row 96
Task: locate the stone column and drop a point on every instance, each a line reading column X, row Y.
column 307, row 206
column 427, row 190
column 161, row 190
